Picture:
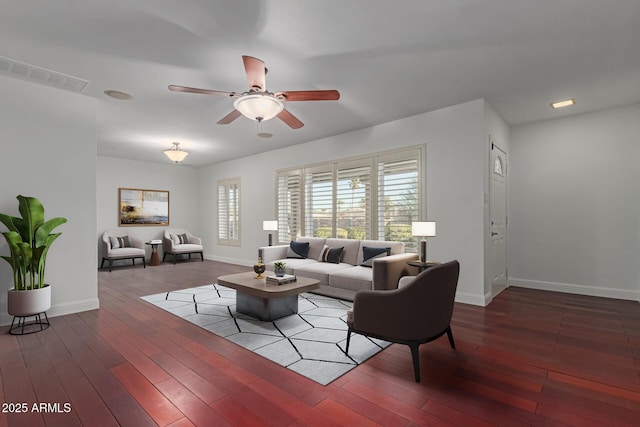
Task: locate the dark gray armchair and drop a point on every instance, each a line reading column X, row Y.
column 415, row 314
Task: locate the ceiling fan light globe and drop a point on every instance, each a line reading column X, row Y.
column 175, row 154
column 258, row 107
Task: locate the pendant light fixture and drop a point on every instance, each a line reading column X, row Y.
column 175, row 153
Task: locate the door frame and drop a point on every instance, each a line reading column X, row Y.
column 493, row 266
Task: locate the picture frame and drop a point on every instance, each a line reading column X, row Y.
column 140, row 207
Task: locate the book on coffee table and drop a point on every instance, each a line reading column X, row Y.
column 275, row 280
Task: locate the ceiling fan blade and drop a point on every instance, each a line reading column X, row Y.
column 229, row 117
column 256, row 72
column 310, row 95
column 176, row 88
column 290, row 119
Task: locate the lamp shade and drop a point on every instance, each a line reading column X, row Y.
column 423, row 229
column 175, row 154
column 269, row 225
column 259, row 106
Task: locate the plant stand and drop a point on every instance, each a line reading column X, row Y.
column 32, row 326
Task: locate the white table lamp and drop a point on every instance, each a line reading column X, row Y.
column 423, row 229
column 270, row 226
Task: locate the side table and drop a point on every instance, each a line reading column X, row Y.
column 422, row 265
column 155, row 258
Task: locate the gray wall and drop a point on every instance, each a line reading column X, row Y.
column 456, row 165
column 574, row 215
column 179, row 180
column 49, row 152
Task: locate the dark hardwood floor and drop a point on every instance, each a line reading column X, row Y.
column 529, row 358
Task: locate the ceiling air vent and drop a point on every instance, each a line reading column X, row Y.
column 33, row 73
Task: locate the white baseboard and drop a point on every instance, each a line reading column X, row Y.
column 594, row 291
column 473, row 299
column 60, row 309
column 229, row 260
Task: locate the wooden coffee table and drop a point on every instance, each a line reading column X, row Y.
column 264, row 301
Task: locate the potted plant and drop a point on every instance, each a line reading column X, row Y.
column 278, row 268
column 29, row 238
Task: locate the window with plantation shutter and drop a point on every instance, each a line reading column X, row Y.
column 369, row 197
column 229, row 212
column 318, row 206
column 288, row 199
column 353, row 201
column 398, row 199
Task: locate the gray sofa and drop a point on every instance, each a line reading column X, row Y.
column 342, row 280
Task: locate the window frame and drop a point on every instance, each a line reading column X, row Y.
column 372, row 161
column 232, row 235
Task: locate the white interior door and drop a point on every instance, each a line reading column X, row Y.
column 498, row 213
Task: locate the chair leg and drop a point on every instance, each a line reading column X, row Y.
column 450, row 336
column 415, row 355
column 110, row 265
column 174, row 259
column 164, row 256
column 189, row 255
column 102, row 263
column 348, row 340
column 201, row 257
column 144, row 262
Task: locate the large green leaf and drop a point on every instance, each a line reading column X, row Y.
column 32, row 212
column 9, row 221
column 45, row 229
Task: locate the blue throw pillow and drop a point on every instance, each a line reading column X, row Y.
column 369, row 254
column 298, row 250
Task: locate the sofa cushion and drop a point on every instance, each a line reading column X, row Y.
column 405, row 280
column 298, row 249
column 332, row 255
column 126, row 252
column 353, row 278
column 369, row 254
column 291, row 264
column 319, row 270
column 351, row 249
column 120, row 242
column 315, row 245
column 186, row 248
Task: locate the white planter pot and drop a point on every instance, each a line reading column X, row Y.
column 29, row 303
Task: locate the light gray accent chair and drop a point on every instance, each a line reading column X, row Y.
column 414, row 314
column 111, row 252
column 171, row 247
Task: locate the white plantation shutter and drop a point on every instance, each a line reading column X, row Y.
column 370, row 197
column 353, row 200
column 229, row 212
column 318, row 217
column 398, row 199
column 289, row 207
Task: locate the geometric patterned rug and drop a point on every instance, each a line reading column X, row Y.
column 310, row 343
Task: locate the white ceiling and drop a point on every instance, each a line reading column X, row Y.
column 388, row 60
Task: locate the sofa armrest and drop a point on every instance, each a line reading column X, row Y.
column 388, row 270
column 272, row 253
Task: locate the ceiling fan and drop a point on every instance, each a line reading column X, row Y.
column 259, row 104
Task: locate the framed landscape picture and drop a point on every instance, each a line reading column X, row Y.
column 138, row 207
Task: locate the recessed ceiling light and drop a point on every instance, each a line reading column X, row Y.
column 118, row 95
column 561, row 104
